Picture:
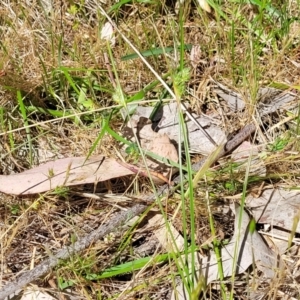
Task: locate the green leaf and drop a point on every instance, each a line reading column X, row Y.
column 279, row 85
column 271, row 10
column 129, row 267
column 63, row 284
column 69, row 79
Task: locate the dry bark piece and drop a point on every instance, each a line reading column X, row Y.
column 271, row 99
column 274, row 100
column 233, row 99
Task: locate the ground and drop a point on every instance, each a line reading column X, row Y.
column 62, row 82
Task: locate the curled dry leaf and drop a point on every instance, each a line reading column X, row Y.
column 195, row 56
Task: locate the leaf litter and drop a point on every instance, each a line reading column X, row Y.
column 243, row 250
column 77, row 171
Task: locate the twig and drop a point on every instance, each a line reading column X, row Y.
column 160, row 178
column 119, row 219
column 230, row 145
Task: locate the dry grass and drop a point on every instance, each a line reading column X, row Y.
column 37, row 43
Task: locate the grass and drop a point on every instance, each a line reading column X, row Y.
column 65, row 91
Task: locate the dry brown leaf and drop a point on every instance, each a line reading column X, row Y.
column 162, row 146
column 62, row 172
column 157, row 143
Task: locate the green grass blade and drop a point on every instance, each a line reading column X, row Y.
column 98, row 139
column 69, row 79
column 52, row 112
column 129, row 267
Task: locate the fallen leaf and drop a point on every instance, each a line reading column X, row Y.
column 197, row 140
column 151, row 141
column 62, row 172
column 162, row 146
column 278, row 209
column 170, row 239
column 250, row 248
column 36, row 294
column 242, row 154
column 166, row 122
